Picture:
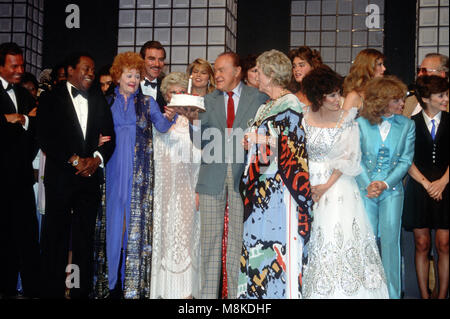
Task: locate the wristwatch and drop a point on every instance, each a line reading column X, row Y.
column 75, row 161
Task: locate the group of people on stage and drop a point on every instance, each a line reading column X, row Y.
column 294, row 183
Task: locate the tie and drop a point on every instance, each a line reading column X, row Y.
column 9, row 87
column 433, row 130
column 230, row 111
column 152, row 84
column 75, row 92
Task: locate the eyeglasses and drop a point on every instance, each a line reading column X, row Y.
column 426, row 70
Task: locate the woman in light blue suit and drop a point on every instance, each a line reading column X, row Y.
column 387, row 146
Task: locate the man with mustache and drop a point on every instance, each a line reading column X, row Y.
column 154, row 55
column 70, row 122
column 18, row 223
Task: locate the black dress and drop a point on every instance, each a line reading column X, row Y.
column 432, row 159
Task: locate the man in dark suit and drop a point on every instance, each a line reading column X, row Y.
column 70, row 122
column 18, row 223
column 154, row 55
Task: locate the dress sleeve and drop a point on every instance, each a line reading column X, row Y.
column 293, row 167
column 345, row 155
column 161, row 123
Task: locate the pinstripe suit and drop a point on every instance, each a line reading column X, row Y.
column 216, row 181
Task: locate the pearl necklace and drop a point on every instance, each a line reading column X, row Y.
column 267, row 108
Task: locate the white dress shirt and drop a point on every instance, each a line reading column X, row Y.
column 12, row 95
column 148, row 90
column 81, row 108
column 384, row 128
column 436, row 118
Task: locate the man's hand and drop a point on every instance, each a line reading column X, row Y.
column 15, row 118
column 32, row 113
column 87, row 166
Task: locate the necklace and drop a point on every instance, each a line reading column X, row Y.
column 268, row 107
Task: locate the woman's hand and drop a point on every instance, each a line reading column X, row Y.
column 318, row 190
column 169, row 113
column 436, row 188
column 197, row 202
column 103, row 139
column 254, row 138
column 375, row 189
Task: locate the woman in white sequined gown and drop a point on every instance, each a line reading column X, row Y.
column 176, row 223
column 344, row 261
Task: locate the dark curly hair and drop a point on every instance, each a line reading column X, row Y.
column 248, row 63
column 429, row 84
column 319, row 82
column 307, row 54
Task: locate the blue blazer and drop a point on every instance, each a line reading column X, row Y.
column 399, row 142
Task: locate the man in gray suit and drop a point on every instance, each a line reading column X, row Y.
column 228, row 109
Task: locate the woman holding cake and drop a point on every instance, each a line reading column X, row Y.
column 130, row 179
column 202, row 75
column 176, row 221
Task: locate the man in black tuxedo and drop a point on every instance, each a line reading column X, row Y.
column 18, row 223
column 154, row 55
column 69, row 123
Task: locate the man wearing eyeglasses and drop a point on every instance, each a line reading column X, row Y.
column 432, row 64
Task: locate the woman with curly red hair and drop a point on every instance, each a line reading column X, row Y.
column 129, row 179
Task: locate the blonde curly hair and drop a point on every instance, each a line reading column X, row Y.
column 378, row 93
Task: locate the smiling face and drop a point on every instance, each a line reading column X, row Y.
column 83, row 75
column 437, row 102
column 174, row 89
column 227, row 75
column 129, row 81
column 200, row 76
column 300, row 68
column 13, row 69
column 154, row 63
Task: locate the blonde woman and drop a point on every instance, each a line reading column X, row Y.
column 368, row 64
column 176, row 221
column 202, row 77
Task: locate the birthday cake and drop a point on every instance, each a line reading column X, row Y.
column 187, row 100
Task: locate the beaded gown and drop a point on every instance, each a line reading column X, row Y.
column 176, row 223
column 344, row 261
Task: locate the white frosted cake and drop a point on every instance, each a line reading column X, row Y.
column 187, row 100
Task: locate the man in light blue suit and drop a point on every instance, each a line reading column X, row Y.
column 387, row 147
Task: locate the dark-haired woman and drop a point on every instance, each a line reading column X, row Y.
column 427, row 194
column 343, row 257
column 303, row 59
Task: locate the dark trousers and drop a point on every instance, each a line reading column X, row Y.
column 19, row 240
column 69, row 223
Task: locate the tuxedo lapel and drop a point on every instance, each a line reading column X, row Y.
column 70, row 109
column 442, row 125
column 7, row 105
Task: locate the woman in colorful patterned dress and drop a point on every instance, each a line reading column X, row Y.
column 275, row 189
column 343, row 257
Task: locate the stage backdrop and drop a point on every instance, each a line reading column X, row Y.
column 90, row 26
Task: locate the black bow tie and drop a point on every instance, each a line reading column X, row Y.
column 152, row 84
column 9, row 87
column 75, row 92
